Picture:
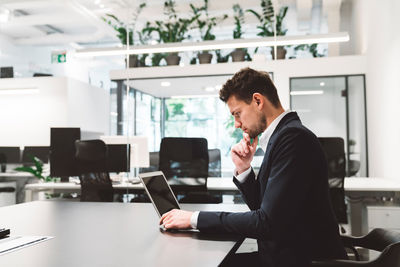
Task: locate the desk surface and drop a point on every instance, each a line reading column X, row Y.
column 371, row 184
column 15, row 174
column 108, row 234
column 226, row 184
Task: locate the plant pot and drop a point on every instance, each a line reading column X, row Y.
column 172, row 59
column 280, row 52
column 133, row 61
column 238, row 55
column 204, row 58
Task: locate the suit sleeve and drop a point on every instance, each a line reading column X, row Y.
column 283, row 198
column 250, row 190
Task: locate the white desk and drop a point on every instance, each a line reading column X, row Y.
column 215, row 184
column 371, row 184
column 15, row 174
column 220, row 185
column 21, row 179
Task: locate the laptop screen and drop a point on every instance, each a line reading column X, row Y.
column 159, row 192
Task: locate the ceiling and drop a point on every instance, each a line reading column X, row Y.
column 79, row 23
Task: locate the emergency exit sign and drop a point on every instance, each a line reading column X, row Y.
column 59, row 57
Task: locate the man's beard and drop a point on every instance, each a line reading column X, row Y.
column 260, row 127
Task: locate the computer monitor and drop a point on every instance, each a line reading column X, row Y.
column 62, row 152
column 6, row 72
column 118, row 157
column 41, row 152
column 10, row 154
column 139, row 151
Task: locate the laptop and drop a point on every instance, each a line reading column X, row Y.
column 160, row 194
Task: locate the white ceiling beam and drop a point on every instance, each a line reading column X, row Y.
column 102, row 29
column 30, row 4
column 42, row 19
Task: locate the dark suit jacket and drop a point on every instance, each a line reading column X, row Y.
column 291, row 215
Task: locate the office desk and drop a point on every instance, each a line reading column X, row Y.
column 109, row 234
column 21, row 179
column 225, row 185
column 214, row 184
column 361, row 192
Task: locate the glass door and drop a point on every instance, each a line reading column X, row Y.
column 334, row 106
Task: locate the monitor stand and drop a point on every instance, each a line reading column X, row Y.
column 3, row 167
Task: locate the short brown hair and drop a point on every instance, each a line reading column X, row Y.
column 246, row 82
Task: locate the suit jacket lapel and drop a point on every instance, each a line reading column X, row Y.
column 265, row 167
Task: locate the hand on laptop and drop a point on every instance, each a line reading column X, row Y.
column 176, row 219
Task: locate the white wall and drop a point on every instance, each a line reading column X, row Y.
column 88, row 107
column 383, row 86
column 282, row 71
column 60, row 102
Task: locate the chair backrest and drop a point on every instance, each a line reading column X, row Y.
column 184, row 157
column 96, row 185
column 390, row 257
column 333, row 148
column 214, row 162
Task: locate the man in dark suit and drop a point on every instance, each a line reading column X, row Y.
column 290, row 211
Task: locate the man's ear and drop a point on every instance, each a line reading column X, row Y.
column 258, row 99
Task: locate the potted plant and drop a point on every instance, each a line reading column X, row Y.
column 36, row 170
column 205, row 24
column 125, row 31
column 173, row 30
column 312, row 48
column 271, row 24
column 239, row 53
column 221, row 58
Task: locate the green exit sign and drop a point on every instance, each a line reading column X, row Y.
column 59, row 57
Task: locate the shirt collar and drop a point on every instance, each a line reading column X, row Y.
column 266, row 135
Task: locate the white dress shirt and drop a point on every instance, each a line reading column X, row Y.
column 263, row 142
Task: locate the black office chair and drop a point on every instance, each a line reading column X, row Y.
column 3, row 162
column 354, row 167
column 95, row 181
column 182, row 157
column 336, row 159
column 385, row 241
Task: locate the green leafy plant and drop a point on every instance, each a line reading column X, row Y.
column 124, row 30
column 239, row 20
column 221, row 58
column 235, row 133
column 270, row 23
column 205, row 23
column 173, row 30
column 312, row 48
column 238, row 16
column 36, row 170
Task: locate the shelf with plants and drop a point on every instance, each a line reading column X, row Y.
column 197, row 27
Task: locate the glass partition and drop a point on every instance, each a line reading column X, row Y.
column 335, row 107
